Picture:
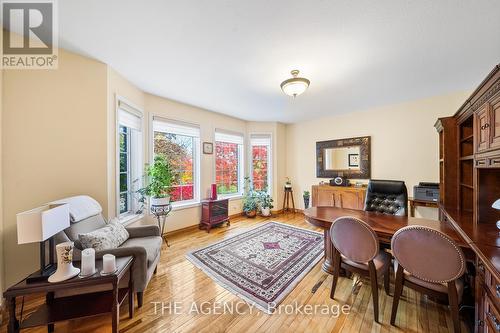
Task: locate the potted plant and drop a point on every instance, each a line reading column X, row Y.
column 250, row 199
column 266, row 203
column 288, row 183
column 306, row 197
column 159, row 176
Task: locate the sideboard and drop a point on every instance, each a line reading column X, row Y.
column 350, row 197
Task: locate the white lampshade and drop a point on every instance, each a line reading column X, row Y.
column 496, row 204
column 39, row 224
column 296, row 85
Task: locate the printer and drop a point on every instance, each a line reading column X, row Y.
column 426, row 191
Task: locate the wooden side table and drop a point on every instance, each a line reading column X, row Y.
column 77, row 306
column 286, row 199
column 420, row 203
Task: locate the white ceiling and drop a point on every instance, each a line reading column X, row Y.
column 230, row 56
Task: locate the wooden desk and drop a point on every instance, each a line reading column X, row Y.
column 384, row 225
column 420, row 203
column 78, row 306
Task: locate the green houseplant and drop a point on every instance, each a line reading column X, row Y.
column 250, row 199
column 265, row 203
column 159, row 178
column 306, row 196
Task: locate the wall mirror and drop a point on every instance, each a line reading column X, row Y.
column 349, row 158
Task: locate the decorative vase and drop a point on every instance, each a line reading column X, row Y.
column 214, row 192
column 160, row 201
column 65, row 269
column 266, row 211
column 306, row 202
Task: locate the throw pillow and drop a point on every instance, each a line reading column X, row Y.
column 109, row 237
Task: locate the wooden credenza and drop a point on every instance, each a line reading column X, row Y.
column 338, row 196
column 470, row 182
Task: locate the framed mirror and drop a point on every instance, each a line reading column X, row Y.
column 349, row 158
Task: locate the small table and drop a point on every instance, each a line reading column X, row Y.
column 77, row 306
column 161, row 212
column 420, row 203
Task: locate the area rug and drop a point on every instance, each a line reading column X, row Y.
column 262, row 265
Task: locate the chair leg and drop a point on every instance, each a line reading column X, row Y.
column 387, row 281
column 398, row 290
column 453, row 300
column 336, row 272
column 140, row 298
column 374, row 283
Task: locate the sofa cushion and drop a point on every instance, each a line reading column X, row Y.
column 87, row 225
column 109, row 237
column 152, row 244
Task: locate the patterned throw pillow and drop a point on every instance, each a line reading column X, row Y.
column 109, row 237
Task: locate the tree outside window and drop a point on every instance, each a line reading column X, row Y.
column 260, row 162
column 179, row 150
column 227, row 167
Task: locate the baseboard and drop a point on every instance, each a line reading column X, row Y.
column 178, row 231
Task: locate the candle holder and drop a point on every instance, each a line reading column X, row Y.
column 87, row 263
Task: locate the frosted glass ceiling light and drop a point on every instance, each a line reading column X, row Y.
column 295, row 85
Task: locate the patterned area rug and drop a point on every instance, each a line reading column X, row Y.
column 261, row 265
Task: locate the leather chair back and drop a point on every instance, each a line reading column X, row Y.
column 387, row 196
column 354, row 239
column 428, row 254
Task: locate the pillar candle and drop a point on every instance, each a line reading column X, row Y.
column 214, row 192
column 108, row 263
column 88, row 262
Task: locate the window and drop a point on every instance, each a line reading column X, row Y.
column 228, row 163
column 130, row 159
column 180, row 143
column 261, row 161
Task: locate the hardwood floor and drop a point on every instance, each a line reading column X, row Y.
column 179, row 281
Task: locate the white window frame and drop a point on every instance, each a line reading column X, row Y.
column 136, row 162
column 269, row 136
column 241, row 163
column 196, row 154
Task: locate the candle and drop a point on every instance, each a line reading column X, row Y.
column 108, row 263
column 214, row 192
column 88, row 262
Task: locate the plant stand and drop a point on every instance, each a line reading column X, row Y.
column 161, row 212
column 286, row 199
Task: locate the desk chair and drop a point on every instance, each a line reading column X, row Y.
column 428, row 261
column 357, row 251
column 387, row 196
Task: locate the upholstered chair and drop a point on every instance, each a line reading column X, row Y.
column 387, row 196
column 144, row 243
column 429, row 262
column 357, row 251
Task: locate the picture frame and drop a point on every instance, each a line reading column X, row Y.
column 208, row 148
column 353, row 160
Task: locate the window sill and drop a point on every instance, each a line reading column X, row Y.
column 129, row 219
column 181, row 206
column 231, row 197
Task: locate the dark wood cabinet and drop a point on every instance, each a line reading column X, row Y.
column 214, row 212
column 469, row 144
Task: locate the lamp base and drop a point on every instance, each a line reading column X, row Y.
column 42, row 274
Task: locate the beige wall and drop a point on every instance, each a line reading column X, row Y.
column 404, row 142
column 54, row 144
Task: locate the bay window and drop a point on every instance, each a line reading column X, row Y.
column 180, row 143
column 229, row 163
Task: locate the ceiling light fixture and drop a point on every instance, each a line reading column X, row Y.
column 296, row 85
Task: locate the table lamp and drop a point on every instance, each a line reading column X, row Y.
column 496, row 205
column 39, row 225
